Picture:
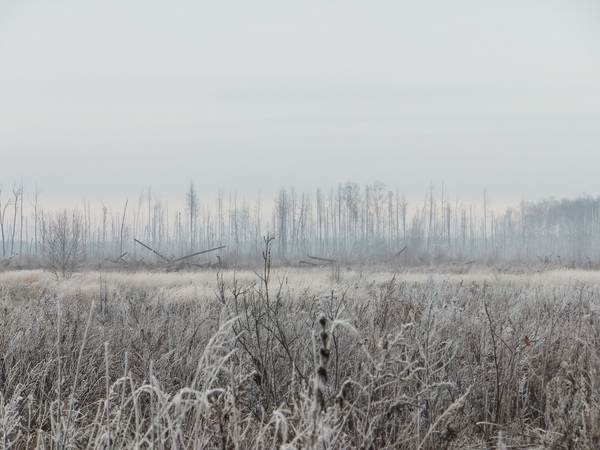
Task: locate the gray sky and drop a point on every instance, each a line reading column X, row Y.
column 101, row 99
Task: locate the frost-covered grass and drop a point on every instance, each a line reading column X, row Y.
column 449, row 357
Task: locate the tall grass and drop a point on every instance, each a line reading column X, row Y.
column 294, row 358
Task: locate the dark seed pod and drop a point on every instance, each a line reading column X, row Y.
column 322, row 372
column 323, row 320
column 325, row 338
column 325, row 353
column 320, row 399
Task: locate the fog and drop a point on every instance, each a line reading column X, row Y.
column 101, row 100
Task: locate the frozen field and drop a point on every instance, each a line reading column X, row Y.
column 454, row 357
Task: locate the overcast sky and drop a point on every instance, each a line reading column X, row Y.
column 99, row 100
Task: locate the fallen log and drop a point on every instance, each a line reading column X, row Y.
column 308, row 263
column 151, row 249
column 331, row 261
column 199, row 253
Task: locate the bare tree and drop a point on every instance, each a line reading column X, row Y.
column 192, row 206
column 17, row 192
column 2, row 218
column 122, row 227
column 21, row 218
column 281, row 218
column 35, row 219
column 62, row 247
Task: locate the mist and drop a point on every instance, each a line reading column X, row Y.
column 100, row 101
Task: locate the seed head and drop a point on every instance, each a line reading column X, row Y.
column 325, row 339
column 323, row 320
column 322, row 372
column 325, row 353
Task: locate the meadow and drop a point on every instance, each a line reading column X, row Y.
column 374, row 357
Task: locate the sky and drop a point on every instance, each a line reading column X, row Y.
column 100, row 100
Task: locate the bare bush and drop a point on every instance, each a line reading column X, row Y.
column 62, row 245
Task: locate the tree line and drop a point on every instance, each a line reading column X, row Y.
column 346, row 223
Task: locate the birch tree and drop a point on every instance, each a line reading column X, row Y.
column 192, row 205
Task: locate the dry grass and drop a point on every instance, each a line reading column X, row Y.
column 403, row 359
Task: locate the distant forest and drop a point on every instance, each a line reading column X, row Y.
column 348, row 223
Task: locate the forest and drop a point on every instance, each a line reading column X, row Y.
column 348, row 223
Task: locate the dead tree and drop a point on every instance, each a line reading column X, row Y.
column 152, row 250
column 62, row 247
column 327, row 260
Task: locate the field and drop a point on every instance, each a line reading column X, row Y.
column 327, row 357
